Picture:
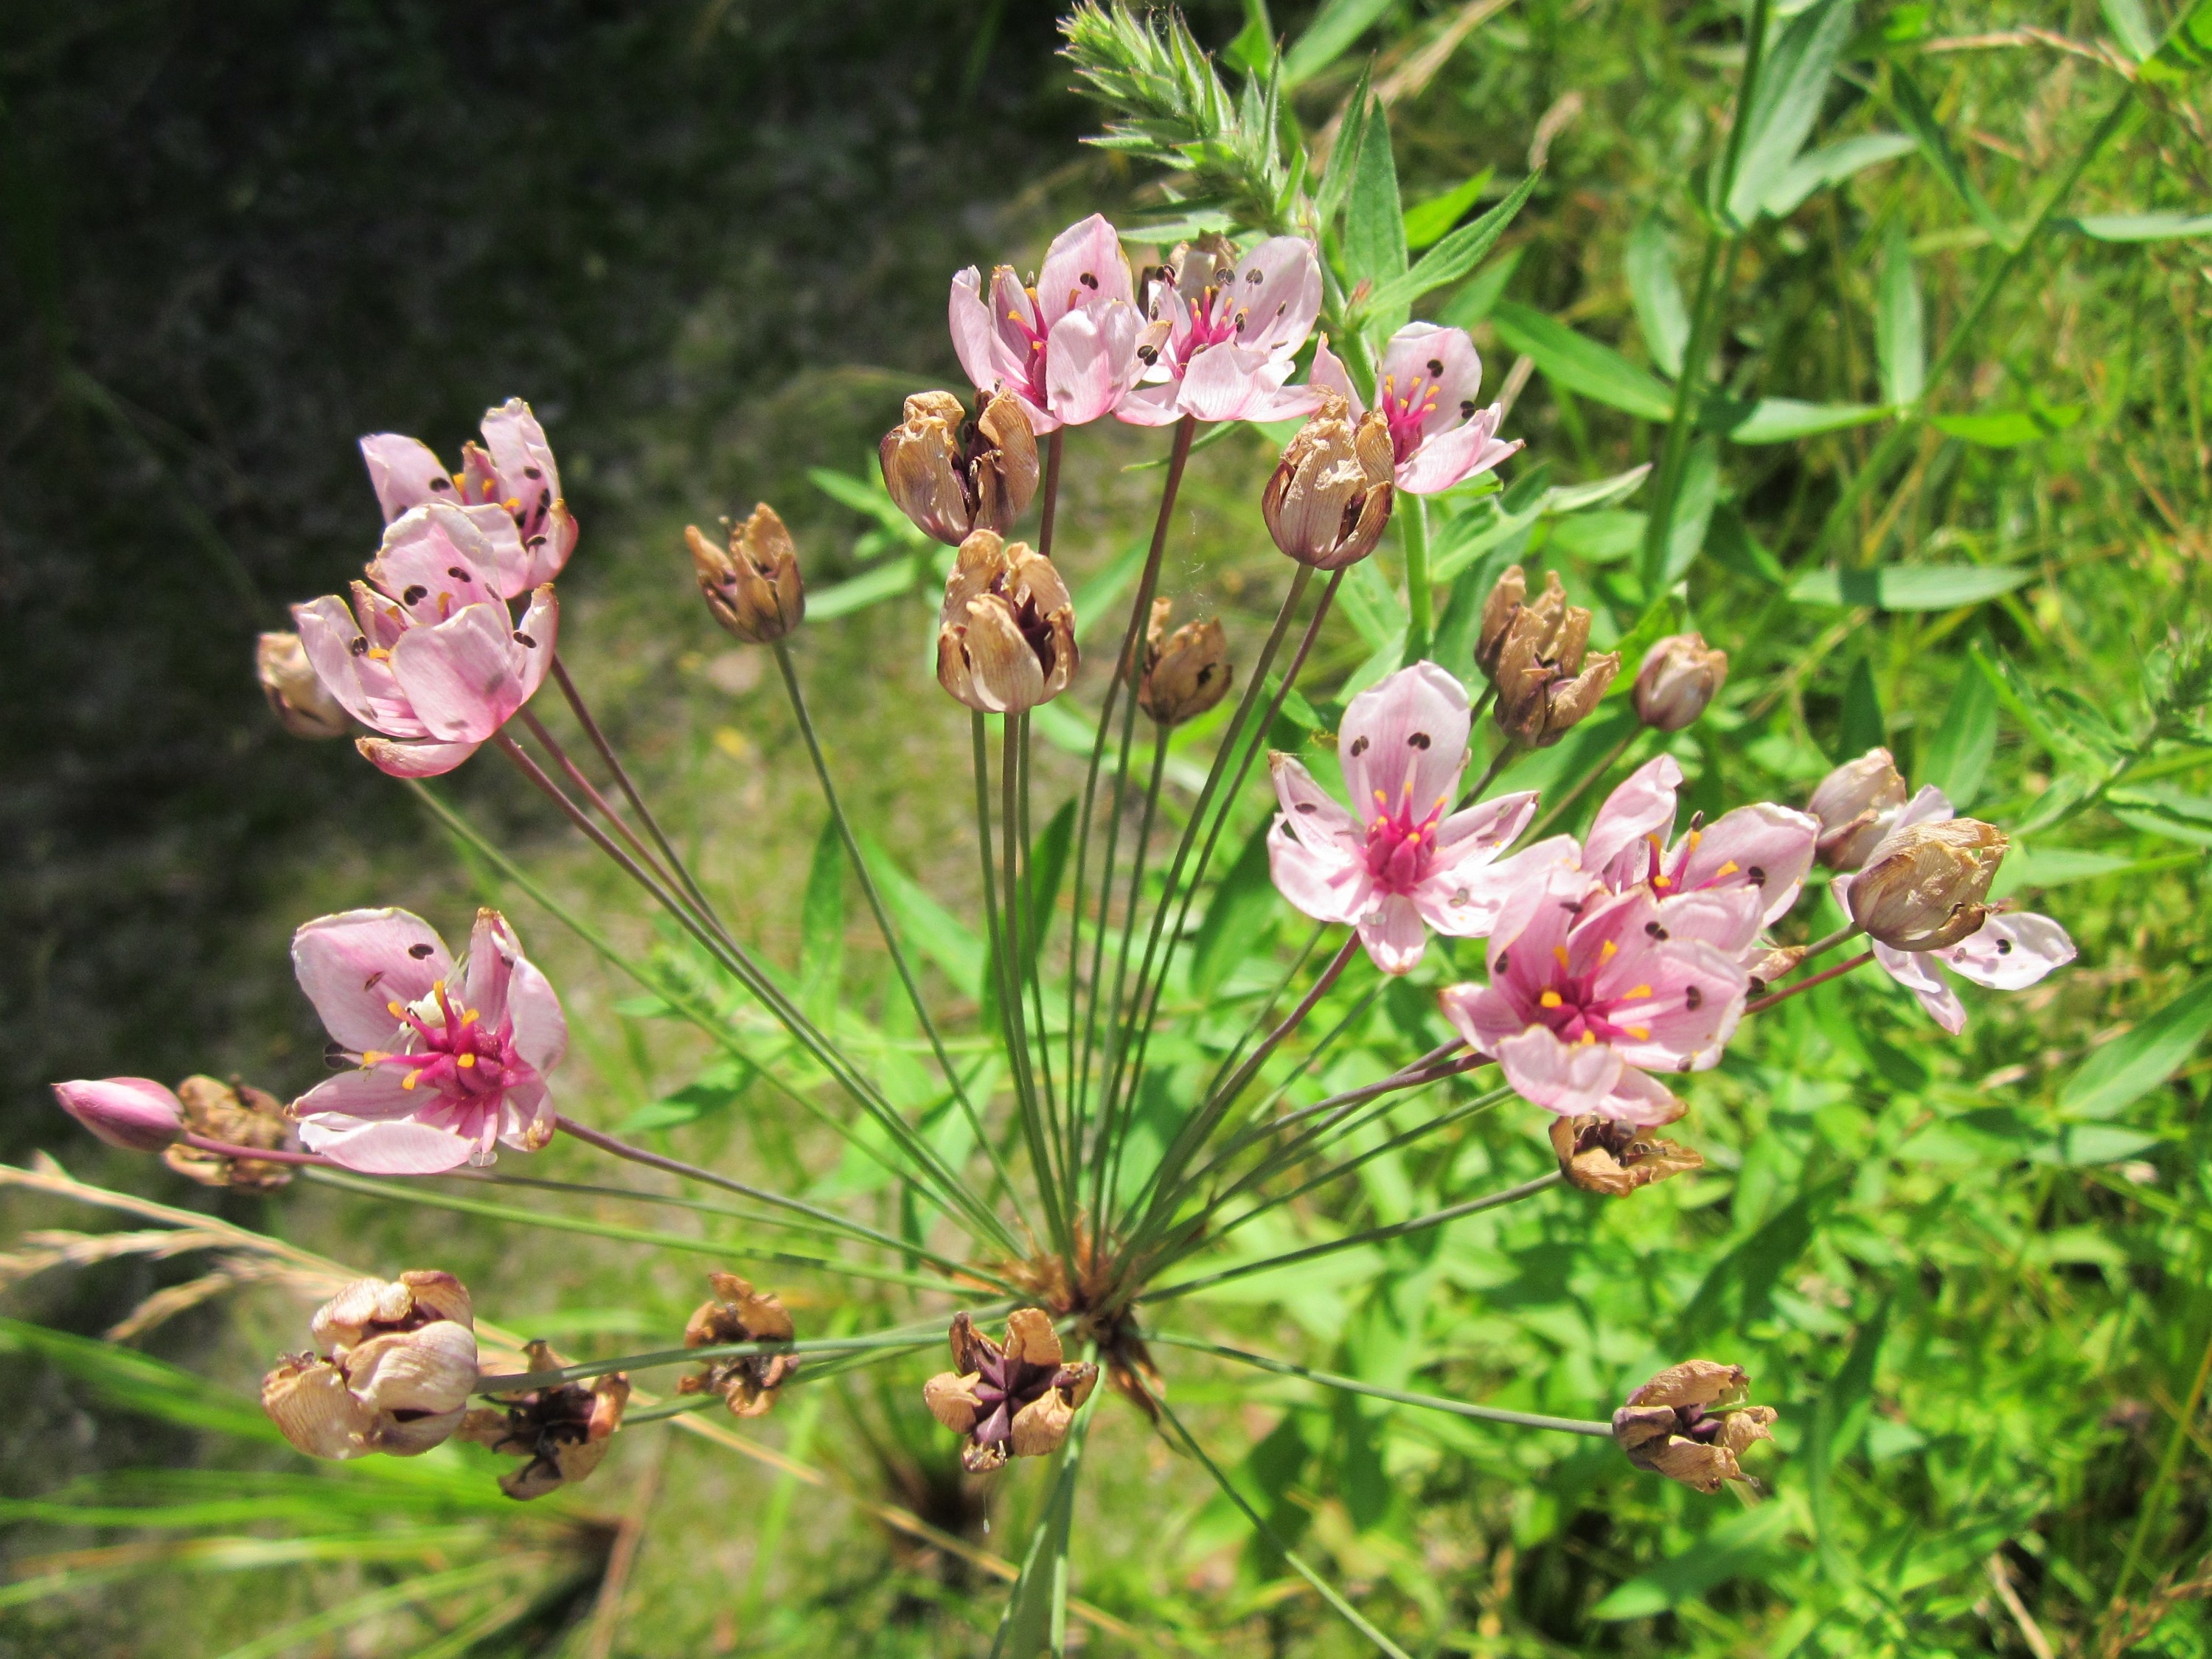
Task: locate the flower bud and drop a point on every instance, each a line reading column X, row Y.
column 753, row 588
column 294, row 691
column 1690, row 1424
column 1680, row 677
column 398, row 1365
column 1923, row 889
column 1599, row 1155
column 1016, row 1400
column 1005, row 633
column 1330, row 496
column 238, row 1116
column 747, row 1382
column 564, row 1431
column 1856, row 803
column 1536, row 660
column 134, row 1113
column 953, row 474
column 1185, row 674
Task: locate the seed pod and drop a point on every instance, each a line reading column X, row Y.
column 1924, row 888
column 1599, row 1155
column 1330, row 496
column 1185, row 674
column 1679, row 675
column 238, row 1116
column 1005, row 633
column 565, row 1430
column 1856, row 803
column 954, row 474
column 753, row 587
column 738, row 1313
column 1545, row 684
column 1012, row 1400
column 1690, row 1424
column 398, row 1365
column 295, row 692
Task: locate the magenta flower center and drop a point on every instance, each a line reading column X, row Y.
column 452, row 1059
column 1571, row 1006
column 1667, row 875
column 1028, row 323
column 1400, row 848
column 1215, row 318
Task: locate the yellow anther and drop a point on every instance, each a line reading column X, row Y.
column 393, row 1009
column 378, row 654
column 1559, row 954
column 470, row 1016
column 1728, row 869
column 461, row 482
column 1608, row 952
column 1382, row 799
column 410, row 1080
column 1662, row 881
column 465, row 1061
column 1588, row 1037
column 1653, row 840
column 1640, row 991
column 513, row 502
column 1696, row 836
column 1641, row 1033
column 372, row 1057
column 1549, row 999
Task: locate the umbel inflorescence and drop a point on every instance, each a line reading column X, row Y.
column 1614, row 965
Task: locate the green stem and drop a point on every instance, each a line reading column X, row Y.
column 1049, row 511
column 1396, row 1396
column 1101, row 1156
column 1821, row 978
column 1420, row 591
column 876, row 908
column 523, row 1381
column 2168, row 1464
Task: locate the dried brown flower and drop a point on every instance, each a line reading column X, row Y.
column 753, row 586
column 1535, row 655
column 1923, row 887
column 738, row 1313
column 1679, row 675
column 1690, row 1424
column 1013, row 1400
column 295, row 692
column 1330, row 497
column 238, row 1116
column 564, row 1431
column 1005, row 633
column 397, row 1364
column 954, row 474
column 1185, row 673
column 1855, row 804
column 1599, row 1155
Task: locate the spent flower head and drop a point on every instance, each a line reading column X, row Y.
column 295, row 692
column 393, row 1366
column 1690, row 1424
column 1183, row 673
column 752, row 585
column 1536, row 654
column 738, row 1313
column 1857, row 804
column 1013, row 1399
column 237, row 1115
column 953, row 473
column 1005, row 633
column 1329, row 499
column 564, row 1431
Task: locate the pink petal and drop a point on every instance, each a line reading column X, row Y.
column 519, row 451
column 1566, row 1077
column 1083, row 263
column 2010, row 952
column 405, row 472
column 972, row 334
column 1150, row 405
column 1279, row 292
column 1444, row 361
column 1917, row 975
column 1285, row 403
column 531, row 645
column 1930, row 806
column 1532, row 924
column 327, row 633
column 1483, row 1018
column 1328, row 371
column 390, row 1147
column 1393, row 935
column 524, row 1108
column 1312, row 812
column 1403, row 742
column 1477, row 835
column 369, row 1093
column 1090, row 357
column 1694, row 996
column 440, row 555
column 354, row 964
column 459, row 676
column 414, row 760
column 541, row 1030
column 1769, row 846
column 1469, row 900
column 1643, row 805
column 1726, row 918
column 1642, row 1099
column 1454, row 457
column 1227, row 382
column 493, row 951
column 1320, row 883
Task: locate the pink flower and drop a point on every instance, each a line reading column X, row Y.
column 1397, row 865
column 1222, row 334
column 2010, row 952
column 509, row 488
column 1066, row 347
column 1760, row 851
column 135, row 1113
column 1426, row 388
column 429, row 655
column 1589, row 994
column 437, row 1074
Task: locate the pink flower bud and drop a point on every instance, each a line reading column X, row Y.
column 134, row 1113
column 1856, row 804
column 1680, row 677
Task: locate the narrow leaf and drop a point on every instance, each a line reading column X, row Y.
column 1914, row 110
column 822, row 927
column 1831, row 165
column 1335, row 27
column 1427, row 221
column 1454, row 256
column 1656, row 293
column 1793, row 81
column 1781, row 420
column 1958, row 757
column 2143, row 227
column 2129, row 1067
column 1910, row 587
column 841, row 599
column 1374, row 223
column 1900, row 341
column 1582, row 364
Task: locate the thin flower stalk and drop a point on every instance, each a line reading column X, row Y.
column 1020, row 951
column 1264, row 1018
column 1806, row 984
column 1554, row 808
column 913, row 1337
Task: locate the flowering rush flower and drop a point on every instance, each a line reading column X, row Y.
column 430, row 655
column 2010, row 952
column 1067, row 347
column 441, row 1063
column 1589, row 992
column 1400, row 862
column 508, row 486
column 1426, row 388
column 1222, row 332
column 1757, row 854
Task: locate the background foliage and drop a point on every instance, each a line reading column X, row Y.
column 709, row 242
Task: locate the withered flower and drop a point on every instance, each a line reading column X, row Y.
column 753, row 586
column 1855, row 804
column 237, row 1115
column 1922, row 887
column 1006, row 635
column 296, row 694
column 1184, row 673
column 396, row 1366
column 1330, row 495
column 1680, row 677
column 952, row 473
column 1690, row 1424
column 1601, row 1155
column 1777, row 963
column 563, row 1430
column 738, row 1313
column 1534, row 654
column 1016, row 1400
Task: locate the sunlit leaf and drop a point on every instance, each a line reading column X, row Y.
column 2129, row 1066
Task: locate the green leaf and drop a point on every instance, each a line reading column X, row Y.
column 1656, row 294
column 1838, row 1422
column 714, row 1090
column 1900, row 338
column 1862, row 727
column 1780, row 420
column 885, row 581
column 1910, row 587
column 2162, row 811
column 1914, row 110
column 2143, row 227
column 1451, row 258
column 1743, row 1545
column 139, row 1382
column 2079, row 1145
column 936, row 932
column 1580, row 364
column 1475, row 301
column 1830, row 165
column 1427, row 221
column 1693, row 511
column 1048, row 864
column 2187, row 49
column 2008, row 428
column 1958, row 757
column 1367, row 600
column 1035, row 1619
column 1733, row 546
column 1344, row 155
column 1793, row 81
column 1334, row 28
column 864, row 496
column 821, row 927
column 1374, row 223
column 2130, row 28
column 1242, row 908
column 2129, row 1066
